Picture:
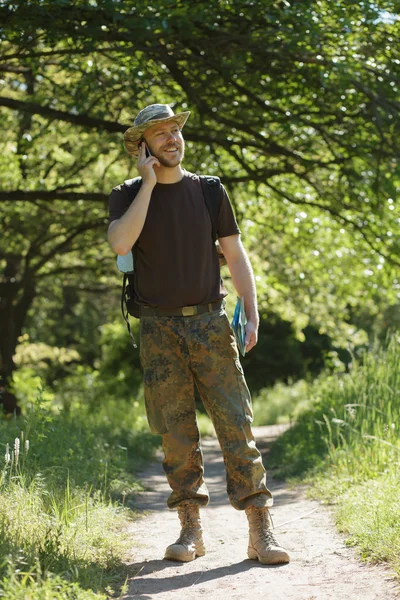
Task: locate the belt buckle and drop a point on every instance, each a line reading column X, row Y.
column 189, row 311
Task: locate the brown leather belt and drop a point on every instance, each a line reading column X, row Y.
column 184, row 311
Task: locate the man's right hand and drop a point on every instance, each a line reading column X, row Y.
column 146, row 166
column 124, row 232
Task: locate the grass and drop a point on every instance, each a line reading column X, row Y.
column 31, row 584
column 347, row 445
column 375, row 531
column 64, row 496
column 66, row 481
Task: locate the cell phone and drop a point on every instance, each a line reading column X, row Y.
column 146, row 149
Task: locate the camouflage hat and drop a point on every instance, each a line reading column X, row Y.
column 149, row 116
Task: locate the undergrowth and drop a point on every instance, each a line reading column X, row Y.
column 66, row 480
column 347, row 445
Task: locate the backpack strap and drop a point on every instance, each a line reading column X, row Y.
column 212, row 192
column 132, row 186
column 126, row 263
column 124, row 310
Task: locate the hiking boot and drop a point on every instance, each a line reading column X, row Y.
column 190, row 542
column 262, row 544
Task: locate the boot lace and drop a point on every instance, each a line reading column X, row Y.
column 190, row 522
column 264, row 524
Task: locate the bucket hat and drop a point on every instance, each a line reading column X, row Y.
column 146, row 118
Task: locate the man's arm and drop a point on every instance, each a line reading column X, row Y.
column 243, row 280
column 123, row 233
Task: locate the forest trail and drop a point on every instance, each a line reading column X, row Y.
column 321, row 568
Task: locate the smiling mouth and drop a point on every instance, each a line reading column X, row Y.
column 171, row 150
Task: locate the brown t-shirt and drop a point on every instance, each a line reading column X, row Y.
column 176, row 262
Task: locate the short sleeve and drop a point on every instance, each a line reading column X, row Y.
column 118, row 203
column 227, row 224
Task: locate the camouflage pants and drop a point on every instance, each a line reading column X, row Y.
column 176, row 352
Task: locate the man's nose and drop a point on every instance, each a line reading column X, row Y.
column 172, row 137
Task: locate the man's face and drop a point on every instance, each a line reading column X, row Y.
column 166, row 143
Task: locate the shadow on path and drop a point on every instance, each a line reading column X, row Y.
column 149, row 586
column 322, row 567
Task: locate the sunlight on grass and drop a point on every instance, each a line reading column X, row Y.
column 64, row 478
column 32, row 584
column 370, row 514
column 347, row 445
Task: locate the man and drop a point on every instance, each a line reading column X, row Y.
column 185, row 336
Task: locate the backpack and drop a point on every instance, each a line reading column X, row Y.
column 212, row 193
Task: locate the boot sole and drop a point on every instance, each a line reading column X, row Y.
column 279, row 558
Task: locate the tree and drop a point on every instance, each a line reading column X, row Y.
column 294, row 103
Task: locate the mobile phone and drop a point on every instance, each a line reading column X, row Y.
column 146, row 149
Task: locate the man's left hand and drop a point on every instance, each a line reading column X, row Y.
column 251, row 335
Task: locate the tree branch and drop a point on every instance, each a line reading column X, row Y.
column 338, row 217
column 68, row 270
column 62, row 247
column 48, row 196
column 46, row 111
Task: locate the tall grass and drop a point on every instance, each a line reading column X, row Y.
column 353, row 422
column 64, row 480
column 348, row 445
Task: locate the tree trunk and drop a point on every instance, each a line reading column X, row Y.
column 16, row 297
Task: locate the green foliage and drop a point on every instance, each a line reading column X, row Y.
column 93, row 448
column 373, row 525
column 114, row 375
column 294, row 104
column 347, row 444
column 281, row 403
column 352, row 423
column 119, row 365
column 64, row 480
column 286, row 355
column 32, row 584
column 82, row 539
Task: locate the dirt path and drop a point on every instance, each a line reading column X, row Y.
column 322, row 568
